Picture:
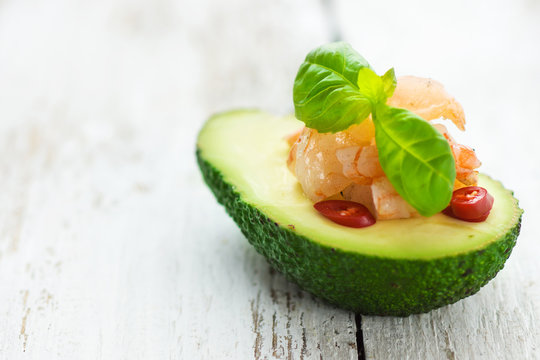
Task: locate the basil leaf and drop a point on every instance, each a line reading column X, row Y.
column 416, row 158
column 389, row 82
column 372, row 86
column 325, row 94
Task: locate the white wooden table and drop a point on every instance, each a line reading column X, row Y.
column 111, row 247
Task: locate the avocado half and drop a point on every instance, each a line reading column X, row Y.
column 395, row 267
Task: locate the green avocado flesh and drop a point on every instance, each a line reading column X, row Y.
column 395, row 267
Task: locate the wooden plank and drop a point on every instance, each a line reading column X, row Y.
column 110, row 245
column 486, row 54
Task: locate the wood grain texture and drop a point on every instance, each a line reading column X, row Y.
column 486, row 54
column 111, row 247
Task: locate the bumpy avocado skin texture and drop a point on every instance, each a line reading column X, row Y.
column 364, row 284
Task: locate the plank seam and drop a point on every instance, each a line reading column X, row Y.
column 332, row 21
column 359, row 338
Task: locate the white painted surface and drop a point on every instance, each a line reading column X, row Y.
column 112, row 248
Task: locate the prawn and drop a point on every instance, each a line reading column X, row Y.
column 314, row 158
column 465, row 159
column 428, row 99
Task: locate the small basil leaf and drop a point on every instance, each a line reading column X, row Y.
column 389, row 82
column 416, row 158
column 371, row 85
column 325, row 94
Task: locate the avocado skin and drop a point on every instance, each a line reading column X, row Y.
column 361, row 283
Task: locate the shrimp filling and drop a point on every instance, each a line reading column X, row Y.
column 345, row 165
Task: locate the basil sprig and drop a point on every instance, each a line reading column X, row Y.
column 335, row 88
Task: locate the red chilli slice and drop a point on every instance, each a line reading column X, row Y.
column 472, row 203
column 346, row 213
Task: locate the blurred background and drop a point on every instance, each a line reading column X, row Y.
column 101, row 102
column 175, row 62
